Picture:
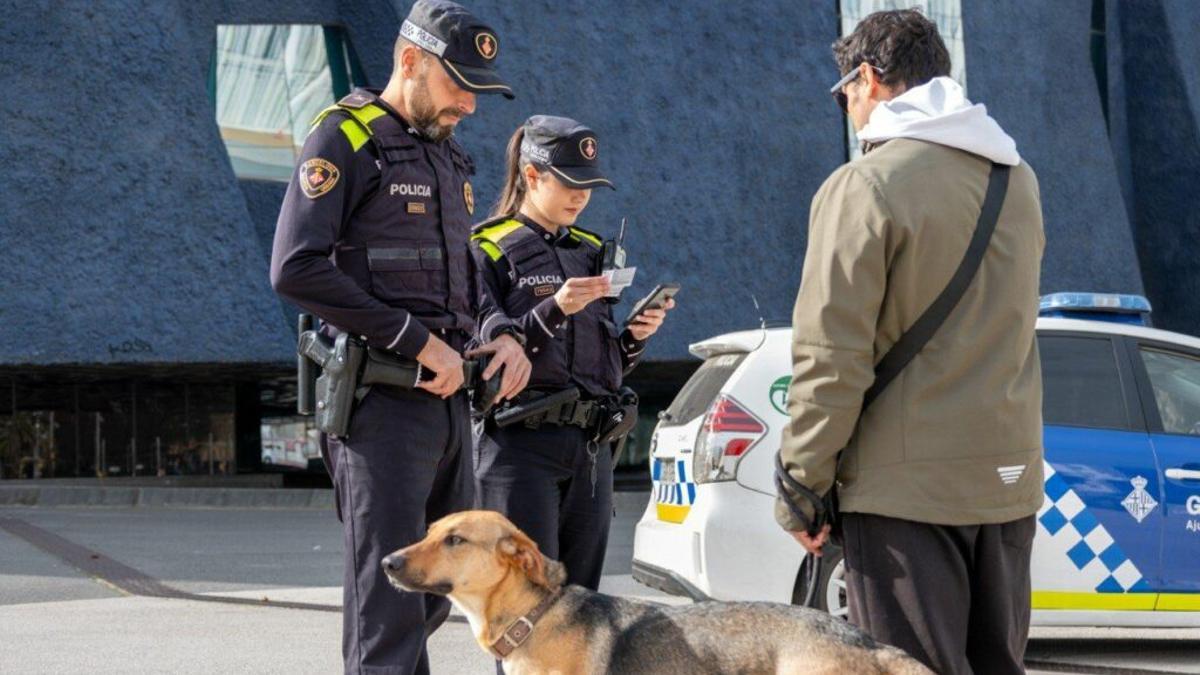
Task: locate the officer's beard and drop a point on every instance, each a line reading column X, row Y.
column 425, row 116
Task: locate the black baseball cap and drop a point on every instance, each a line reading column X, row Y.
column 466, row 46
column 567, row 148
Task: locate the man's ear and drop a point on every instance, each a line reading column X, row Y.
column 519, row 551
column 876, row 89
column 870, row 78
column 410, row 60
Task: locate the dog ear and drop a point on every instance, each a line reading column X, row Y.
column 555, row 573
column 522, row 552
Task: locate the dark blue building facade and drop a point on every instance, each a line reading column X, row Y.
column 134, row 259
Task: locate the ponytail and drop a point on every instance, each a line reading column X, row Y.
column 513, row 192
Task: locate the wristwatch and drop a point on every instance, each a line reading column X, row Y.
column 513, row 331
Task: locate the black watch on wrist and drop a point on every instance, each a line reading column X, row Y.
column 511, row 330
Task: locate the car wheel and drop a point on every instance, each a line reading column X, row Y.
column 830, row 594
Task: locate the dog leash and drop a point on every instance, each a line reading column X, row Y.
column 519, row 631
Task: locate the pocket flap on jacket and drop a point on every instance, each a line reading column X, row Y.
column 394, row 154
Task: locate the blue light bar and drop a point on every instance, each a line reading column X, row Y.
column 1113, row 307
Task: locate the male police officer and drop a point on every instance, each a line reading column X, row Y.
column 372, row 238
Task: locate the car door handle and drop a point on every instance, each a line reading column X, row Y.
column 1183, row 474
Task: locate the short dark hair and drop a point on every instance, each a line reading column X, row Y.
column 902, row 43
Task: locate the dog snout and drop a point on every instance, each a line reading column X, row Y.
column 395, row 562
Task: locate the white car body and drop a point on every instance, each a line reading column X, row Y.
column 720, row 540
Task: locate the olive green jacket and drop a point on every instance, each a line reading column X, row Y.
column 956, row 438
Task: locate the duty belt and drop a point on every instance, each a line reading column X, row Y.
column 349, row 369
column 583, row 414
column 561, row 408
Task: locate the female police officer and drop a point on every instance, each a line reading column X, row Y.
column 554, row 481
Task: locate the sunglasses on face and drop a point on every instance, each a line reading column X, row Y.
column 837, row 90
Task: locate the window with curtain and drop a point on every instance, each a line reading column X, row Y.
column 947, row 14
column 268, row 82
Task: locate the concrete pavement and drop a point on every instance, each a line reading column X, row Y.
column 56, row 619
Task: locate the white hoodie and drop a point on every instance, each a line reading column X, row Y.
column 939, row 112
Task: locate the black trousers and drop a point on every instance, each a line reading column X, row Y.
column 542, row 480
column 406, row 463
column 956, row 598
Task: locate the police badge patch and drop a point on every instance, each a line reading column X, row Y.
column 469, row 197
column 587, row 146
column 486, row 44
column 317, row 177
column 543, row 291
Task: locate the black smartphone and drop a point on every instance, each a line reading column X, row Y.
column 656, row 300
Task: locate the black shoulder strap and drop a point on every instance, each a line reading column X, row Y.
column 918, row 335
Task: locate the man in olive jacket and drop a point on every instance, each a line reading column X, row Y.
column 942, row 475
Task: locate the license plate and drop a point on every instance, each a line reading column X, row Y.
column 666, row 471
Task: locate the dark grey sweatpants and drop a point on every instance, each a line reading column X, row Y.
column 956, row 598
column 406, row 463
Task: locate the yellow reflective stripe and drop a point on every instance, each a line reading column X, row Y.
column 491, row 249
column 498, row 231
column 322, row 115
column 1178, row 602
column 354, row 133
column 1117, row 601
column 672, row 513
column 357, row 128
column 366, row 113
column 586, row 235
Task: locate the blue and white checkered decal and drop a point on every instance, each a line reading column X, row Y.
column 680, row 493
column 1076, row 549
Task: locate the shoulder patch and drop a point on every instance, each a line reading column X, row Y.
column 317, row 177
column 496, row 231
column 493, row 251
column 590, row 237
column 356, row 124
column 496, row 220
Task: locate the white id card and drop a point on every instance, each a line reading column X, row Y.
column 620, row 279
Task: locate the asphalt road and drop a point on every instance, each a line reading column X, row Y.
column 257, row 591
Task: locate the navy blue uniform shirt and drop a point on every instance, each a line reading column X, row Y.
column 523, row 265
column 372, row 236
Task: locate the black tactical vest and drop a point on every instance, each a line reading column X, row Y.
column 587, row 352
column 407, row 244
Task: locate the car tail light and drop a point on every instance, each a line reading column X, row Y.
column 727, row 433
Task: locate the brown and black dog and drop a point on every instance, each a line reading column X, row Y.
column 514, row 599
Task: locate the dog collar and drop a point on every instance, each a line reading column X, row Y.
column 519, row 631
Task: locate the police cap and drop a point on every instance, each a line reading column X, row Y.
column 567, row 148
column 466, row 46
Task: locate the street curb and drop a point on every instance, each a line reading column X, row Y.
column 55, row 496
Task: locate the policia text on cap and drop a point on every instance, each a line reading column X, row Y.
column 372, row 239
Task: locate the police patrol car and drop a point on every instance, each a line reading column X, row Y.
column 1118, row 536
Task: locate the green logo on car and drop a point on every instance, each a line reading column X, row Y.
column 779, row 393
